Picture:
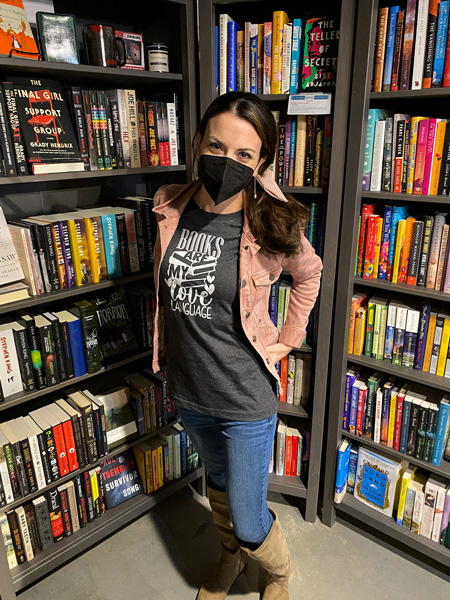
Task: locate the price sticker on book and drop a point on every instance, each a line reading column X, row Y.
column 309, row 104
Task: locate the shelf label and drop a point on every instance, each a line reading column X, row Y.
column 309, row 104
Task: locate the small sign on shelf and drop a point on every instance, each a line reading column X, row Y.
column 309, row 104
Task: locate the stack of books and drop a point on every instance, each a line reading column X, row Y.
column 290, row 452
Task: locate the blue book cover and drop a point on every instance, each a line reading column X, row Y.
column 385, row 240
column 389, row 52
column 254, row 63
column 217, row 59
column 422, row 336
column 353, row 409
column 295, row 56
column 351, row 377
column 441, row 44
column 312, row 231
column 398, row 213
column 292, row 149
column 77, row 348
column 352, row 464
column 233, row 28
column 111, row 244
column 342, row 470
column 320, row 243
column 441, row 432
column 273, row 302
column 406, row 416
column 374, row 115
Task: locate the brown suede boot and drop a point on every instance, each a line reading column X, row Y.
column 273, row 555
column 233, row 560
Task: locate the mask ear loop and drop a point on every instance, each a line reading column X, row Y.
column 254, row 188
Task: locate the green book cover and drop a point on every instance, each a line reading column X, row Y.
column 85, row 311
column 382, row 332
column 369, row 328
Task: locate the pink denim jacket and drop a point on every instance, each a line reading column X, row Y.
column 258, row 269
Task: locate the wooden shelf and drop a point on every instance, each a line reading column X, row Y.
column 27, row 179
column 73, row 474
column 305, row 189
column 22, row 397
column 294, row 411
column 431, row 94
column 387, row 526
column 292, row 486
column 443, row 470
column 111, row 521
column 403, row 288
column 442, row 383
column 71, row 292
column 422, row 199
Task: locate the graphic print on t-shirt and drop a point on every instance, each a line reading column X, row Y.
column 190, row 273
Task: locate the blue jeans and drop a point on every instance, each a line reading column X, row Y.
column 236, row 455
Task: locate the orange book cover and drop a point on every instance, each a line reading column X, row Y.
column 16, row 37
column 357, row 301
column 404, row 258
column 283, row 377
column 58, row 436
column 429, row 344
column 69, row 441
column 280, row 18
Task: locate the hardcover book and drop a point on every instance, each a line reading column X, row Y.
column 120, row 478
column 17, row 38
column 320, row 53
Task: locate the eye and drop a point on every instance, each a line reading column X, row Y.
column 214, row 146
column 244, row 155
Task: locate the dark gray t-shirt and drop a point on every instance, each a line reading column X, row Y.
column 212, row 367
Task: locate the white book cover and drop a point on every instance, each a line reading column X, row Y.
column 4, row 476
column 281, row 448
column 436, row 345
column 123, row 112
column 10, row 269
column 378, row 411
column 133, row 130
column 18, row 237
column 377, row 159
column 120, row 423
column 7, row 539
column 168, row 438
column 417, row 511
column 35, row 452
column 10, row 378
column 420, row 44
column 397, row 117
column 286, row 59
column 402, row 313
column 73, row 508
column 431, row 491
column 172, row 122
column 24, row 532
column 271, row 457
column 412, row 321
column 290, row 379
column 438, row 512
column 298, row 381
column 223, row 54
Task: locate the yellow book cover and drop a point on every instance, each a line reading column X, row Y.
column 377, row 248
column 139, row 455
column 300, row 150
column 160, row 466
column 149, row 469
column 404, row 257
column 412, row 154
column 437, row 158
column 408, row 475
column 280, row 18
column 444, row 347
column 360, row 330
column 429, row 344
column 94, row 485
column 80, row 251
column 391, row 422
column 96, row 248
column 399, row 241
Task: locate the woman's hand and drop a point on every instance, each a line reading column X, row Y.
column 278, row 351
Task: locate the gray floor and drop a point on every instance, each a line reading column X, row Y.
column 165, row 555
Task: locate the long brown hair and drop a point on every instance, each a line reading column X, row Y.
column 275, row 224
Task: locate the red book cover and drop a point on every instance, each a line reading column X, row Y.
column 288, row 456
column 152, row 134
column 360, row 411
column 69, row 440
column 371, row 244
column 429, row 156
column 164, row 158
column 398, row 420
column 367, row 210
column 54, row 507
column 63, row 463
column 294, row 455
column 421, row 153
column 283, row 377
column 142, row 136
column 65, row 511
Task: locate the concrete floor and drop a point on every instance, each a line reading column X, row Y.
column 165, row 555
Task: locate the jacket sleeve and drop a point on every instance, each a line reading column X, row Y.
column 305, row 268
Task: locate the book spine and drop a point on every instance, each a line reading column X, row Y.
column 398, row 421
column 80, row 127
column 231, row 56
column 420, row 44
column 408, row 43
column 430, row 434
column 387, row 155
column 122, row 111
column 430, row 43
column 428, row 230
column 416, row 246
column 110, row 131
column 6, row 144
column 380, row 48
column 91, row 138
column 15, row 131
column 103, row 130
column 397, row 51
column 406, row 417
column 441, row 43
column 142, row 131
column 435, row 246
column 48, row 355
column 112, row 103
column 97, row 128
column 413, row 425
column 389, row 53
column 240, row 61
column 422, row 336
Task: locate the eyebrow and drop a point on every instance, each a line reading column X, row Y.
column 214, row 139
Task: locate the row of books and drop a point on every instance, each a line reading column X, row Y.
column 402, row 248
column 46, row 130
column 78, row 429
column 64, row 510
column 42, row 348
column 276, row 57
column 400, row 334
column 303, row 150
column 406, row 154
column 290, row 451
column 67, row 250
column 421, row 503
column 412, row 50
column 295, row 374
column 411, row 419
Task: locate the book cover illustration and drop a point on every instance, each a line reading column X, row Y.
column 45, row 122
column 16, row 37
column 320, row 53
column 120, row 423
column 121, row 479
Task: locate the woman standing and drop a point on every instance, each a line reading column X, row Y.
column 222, row 241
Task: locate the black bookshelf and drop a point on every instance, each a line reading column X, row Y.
column 416, row 547
column 241, row 11
column 174, row 24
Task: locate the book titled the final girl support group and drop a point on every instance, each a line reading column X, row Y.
column 45, row 128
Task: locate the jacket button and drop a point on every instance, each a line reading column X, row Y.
column 272, row 277
column 245, row 247
column 244, row 283
column 254, row 338
column 268, row 361
column 247, row 315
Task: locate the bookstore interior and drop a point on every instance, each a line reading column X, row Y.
column 137, row 144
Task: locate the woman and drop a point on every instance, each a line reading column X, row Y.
column 222, row 241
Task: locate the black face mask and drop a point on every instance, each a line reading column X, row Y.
column 223, row 177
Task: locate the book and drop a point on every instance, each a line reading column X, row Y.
column 383, row 15
column 408, row 43
column 342, row 470
column 120, row 423
column 430, row 43
column 17, row 38
column 120, row 477
column 420, row 44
